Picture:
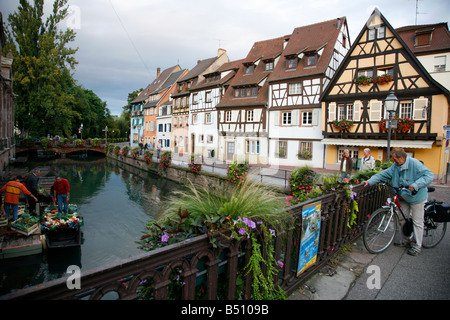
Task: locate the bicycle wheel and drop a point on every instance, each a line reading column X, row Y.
column 380, row 230
column 433, row 232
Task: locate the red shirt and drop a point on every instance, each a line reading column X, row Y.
column 61, row 187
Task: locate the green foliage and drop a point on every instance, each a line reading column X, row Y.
column 49, row 101
column 237, row 172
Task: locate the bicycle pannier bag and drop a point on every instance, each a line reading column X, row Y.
column 439, row 211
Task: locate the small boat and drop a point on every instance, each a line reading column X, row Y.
column 62, row 231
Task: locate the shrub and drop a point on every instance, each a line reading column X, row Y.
column 125, row 150
column 195, row 165
column 166, row 160
column 135, row 152
column 301, row 184
column 237, row 172
column 148, row 156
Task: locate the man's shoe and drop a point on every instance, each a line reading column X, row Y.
column 414, row 251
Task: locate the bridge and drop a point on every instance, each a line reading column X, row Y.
column 63, row 150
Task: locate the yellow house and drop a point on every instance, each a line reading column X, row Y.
column 354, row 114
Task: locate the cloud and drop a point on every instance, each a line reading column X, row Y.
column 122, row 43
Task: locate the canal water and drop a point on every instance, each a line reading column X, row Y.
column 116, row 202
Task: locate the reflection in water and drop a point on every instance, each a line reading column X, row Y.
column 116, row 202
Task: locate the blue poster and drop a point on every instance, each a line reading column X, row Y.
column 309, row 242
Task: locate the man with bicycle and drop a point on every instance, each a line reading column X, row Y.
column 407, row 171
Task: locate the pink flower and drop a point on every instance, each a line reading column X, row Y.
column 164, row 238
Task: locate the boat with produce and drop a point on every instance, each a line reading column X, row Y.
column 62, row 230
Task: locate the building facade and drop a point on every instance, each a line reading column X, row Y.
column 354, row 117
column 309, row 60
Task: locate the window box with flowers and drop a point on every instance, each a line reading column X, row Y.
column 404, row 125
column 304, row 154
column 367, row 81
column 343, row 125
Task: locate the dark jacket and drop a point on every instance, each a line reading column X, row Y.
column 33, row 184
column 349, row 165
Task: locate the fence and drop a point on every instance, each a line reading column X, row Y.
column 212, row 273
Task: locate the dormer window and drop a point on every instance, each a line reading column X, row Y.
column 423, row 38
column 292, row 63
column 269, row 65
column 311, row 60
column 249, row 69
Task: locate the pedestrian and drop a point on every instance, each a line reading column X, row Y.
column 158, row 149
column 367, row 161
column 61, row 191
column 33, row 186
column 12, row 190
column 408, row 172
column 346, row 165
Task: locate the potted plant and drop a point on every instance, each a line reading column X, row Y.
column 343, row 125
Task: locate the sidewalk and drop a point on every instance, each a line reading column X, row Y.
column 351, row 275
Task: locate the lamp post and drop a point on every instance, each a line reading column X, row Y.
column 390, row 103
column 81, row 131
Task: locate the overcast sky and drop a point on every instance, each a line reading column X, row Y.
column 122, row 42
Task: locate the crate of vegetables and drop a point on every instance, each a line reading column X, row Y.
column 24, row 227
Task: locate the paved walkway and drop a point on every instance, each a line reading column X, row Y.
column 401, row 276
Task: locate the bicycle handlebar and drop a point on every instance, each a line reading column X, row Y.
column 400, row 188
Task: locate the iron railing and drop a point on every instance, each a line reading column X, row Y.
column 212, row 273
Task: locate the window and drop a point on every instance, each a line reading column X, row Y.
column 354, row 153
column 246, row 92
column 295, row 88
column 281, row 150
column 160, row 128
column 307, row 118
column 208, row 118
column 350, row 112
column 440, row 63
column 194, row 98
column 201, row 138
column 422, row 38
column 269, row 65
column 287, row 118
column 405, row 110
column 345, row 112
column 228, row 116
column 383, row 71
column 209, row 139
column 311, row 60
column 194, row 118
column 378, row 32
column 249, row 69
column 250, row 114
column 292, row 63
column 365, row 72
column 208, row 96
column 252, row 147
column 305, row 150
column 341, row 112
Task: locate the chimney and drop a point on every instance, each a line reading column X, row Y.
column 158, row 72
column 221, row 52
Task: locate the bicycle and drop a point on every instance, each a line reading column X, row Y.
column 383, row 224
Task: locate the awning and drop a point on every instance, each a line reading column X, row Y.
column 415, row 144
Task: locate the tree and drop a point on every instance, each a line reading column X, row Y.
column 42, row 64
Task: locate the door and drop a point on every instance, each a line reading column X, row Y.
column 230, row 151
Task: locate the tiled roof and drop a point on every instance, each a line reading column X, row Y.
column 440, row 39
column 308, row 39
column 229, row 66
column 156, row 84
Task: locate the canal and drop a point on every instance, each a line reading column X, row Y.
column 116, row 202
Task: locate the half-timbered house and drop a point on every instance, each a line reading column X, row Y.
column 182, row 98
column 379, row 63
column 203, row 114
column 243, row 125
column 145, row 105
column 309, row 61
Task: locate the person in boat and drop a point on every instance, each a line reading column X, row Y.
column 12, row 190
column 61, row 192
column 33, row 187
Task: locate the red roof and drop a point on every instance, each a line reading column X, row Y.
column 440, row 37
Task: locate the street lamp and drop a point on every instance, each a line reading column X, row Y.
column 81, row 131
column 390, row 103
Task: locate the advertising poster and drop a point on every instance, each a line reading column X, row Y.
column 309, row 242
